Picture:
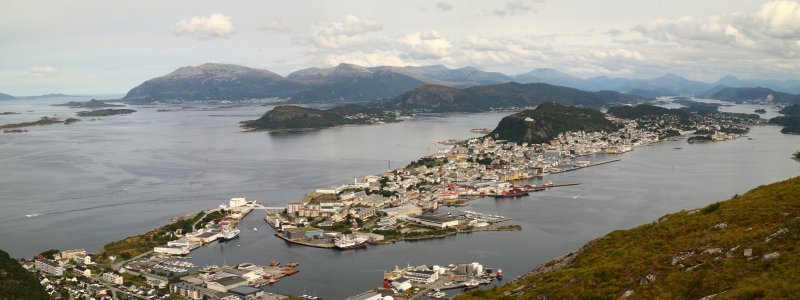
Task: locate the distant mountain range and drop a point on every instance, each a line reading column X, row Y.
column 666, row 85
column 438, row 98
column 45, row 96
column 753, row 94
column 353, row 83
column 343, row 83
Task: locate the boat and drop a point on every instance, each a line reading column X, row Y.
column 255, row 229
column 481, row 130
column 512, row 194
column 292, row 264
column 471, row 284
column 274, row 263
column 499, row 274
column 347, row 242
column 436, row 294
column 229, row 234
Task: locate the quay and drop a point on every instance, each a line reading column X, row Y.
column 587, row 166
column 311, row 243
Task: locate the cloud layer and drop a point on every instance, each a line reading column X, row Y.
column 204, row 28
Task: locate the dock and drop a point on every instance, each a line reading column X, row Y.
column 321, row 244
column 587, row 166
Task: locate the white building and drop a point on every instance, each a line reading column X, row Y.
column 401, row 284
column 171, row 250
column 49, row 266
column 237, row 202
column 112, row 277
column 423, row 277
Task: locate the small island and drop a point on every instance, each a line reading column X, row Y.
column 8, row 113
column 105, row 112
column 40, row 122
column 94, row 103
column 761, row 111
column 297, row 118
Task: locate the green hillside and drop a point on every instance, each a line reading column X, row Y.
column 18, row 283
column 544, row 123
column 747, row 247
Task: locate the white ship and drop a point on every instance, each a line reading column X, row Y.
column 229, row 234
column 348, row 242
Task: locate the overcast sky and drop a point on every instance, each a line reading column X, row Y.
column 111, row 46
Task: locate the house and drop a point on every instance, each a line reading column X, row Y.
column 226, row 283
column 186, row 290
column 112, row 278
column 247, row 292
column 294, row 207
column 83, row 271
column 310, row 211
column 68, row 254
column 82, row 259
column 363, row 213
column 330, row 206
column 401, row 284
column 49, row 267
column 155, row 280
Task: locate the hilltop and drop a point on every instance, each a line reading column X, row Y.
column 214, row 82
column 645, row 110
column 543, row 124
column 18, row 283
column 438, row 98
column 742, row 248
column 6, row 97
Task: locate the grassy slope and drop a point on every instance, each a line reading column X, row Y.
column 611, row 265
column 16, row 282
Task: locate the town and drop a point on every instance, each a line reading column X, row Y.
column 421, row 200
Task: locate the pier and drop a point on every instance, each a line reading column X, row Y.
column 587, row 166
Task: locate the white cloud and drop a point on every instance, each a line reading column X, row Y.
column 444, row 6
column 203, row 28
column 43, row 71
column 774, row 28
column 340, row 34
column 426, row 45
column 618, row 54
column 781, row 19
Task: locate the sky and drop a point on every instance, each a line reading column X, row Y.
column 101, row 46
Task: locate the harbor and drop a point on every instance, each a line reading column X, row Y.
column 414, row 282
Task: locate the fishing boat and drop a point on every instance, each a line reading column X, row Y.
column 471, row 284
column 436, row 294
column 499, row 274
column 346, row 242
column 229, row 234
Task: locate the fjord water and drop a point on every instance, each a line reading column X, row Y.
column 98, row 181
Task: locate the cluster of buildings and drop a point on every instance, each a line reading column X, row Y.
column 230, row 282
column 237, row 209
